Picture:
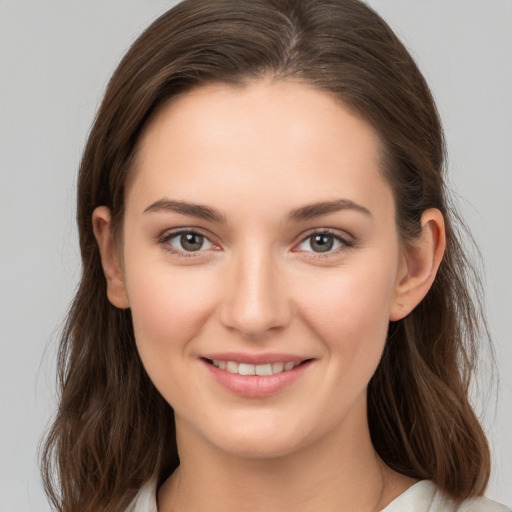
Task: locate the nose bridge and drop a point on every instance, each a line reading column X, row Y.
column 256, row 301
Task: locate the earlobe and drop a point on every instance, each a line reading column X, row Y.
column 422, row 262
column 112, row 268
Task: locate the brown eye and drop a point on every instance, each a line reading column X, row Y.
column 191, row 241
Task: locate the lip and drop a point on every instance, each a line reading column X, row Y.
column 255, row 386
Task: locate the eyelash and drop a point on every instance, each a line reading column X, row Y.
column 345, row 242
column 164, row 240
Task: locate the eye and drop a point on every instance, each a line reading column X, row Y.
column 323, row 242
column 185, row 242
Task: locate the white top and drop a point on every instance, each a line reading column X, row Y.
column 425, row 497
column 421, row 497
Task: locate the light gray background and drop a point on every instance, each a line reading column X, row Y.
column 55, row 59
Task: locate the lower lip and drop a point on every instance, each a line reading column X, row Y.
column 256, row 386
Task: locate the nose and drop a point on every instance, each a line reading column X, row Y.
column 255, row 298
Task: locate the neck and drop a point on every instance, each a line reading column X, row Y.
column 332, row 474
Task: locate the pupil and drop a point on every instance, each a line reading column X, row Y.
column 322, row 243
column 191, row 241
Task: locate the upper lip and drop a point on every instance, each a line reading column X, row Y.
column 255, row 358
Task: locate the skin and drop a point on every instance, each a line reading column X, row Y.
column 254, row 155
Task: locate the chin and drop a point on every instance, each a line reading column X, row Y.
column 259, row 439
column 266, row 446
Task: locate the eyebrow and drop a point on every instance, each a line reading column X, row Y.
column 308, row 212
column 185, row 208
column 314, row 210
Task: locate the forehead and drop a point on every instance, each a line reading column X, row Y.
column 267, row 139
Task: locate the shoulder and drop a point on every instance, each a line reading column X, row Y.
column 145, row 500
column 422, row 497
column 425, row 497
column 476, row 505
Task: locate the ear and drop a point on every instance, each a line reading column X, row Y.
column 420, row 265
column 110, row 260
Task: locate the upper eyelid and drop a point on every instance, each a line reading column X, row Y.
column 172, row 232
column 336, row 233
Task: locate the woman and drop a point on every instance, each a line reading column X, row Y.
column 274, row 310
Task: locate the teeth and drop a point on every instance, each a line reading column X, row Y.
column 246, row 369
column 263, row 369
column 277, row 367
column 232, row 367
column 254, row 369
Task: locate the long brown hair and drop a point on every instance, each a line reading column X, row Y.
column 113, row 431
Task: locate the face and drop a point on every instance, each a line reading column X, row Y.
column 261, row 263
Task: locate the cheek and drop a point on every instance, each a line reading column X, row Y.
column 349, row 310
column 169, row 306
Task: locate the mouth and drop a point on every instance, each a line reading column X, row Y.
column 255, row 377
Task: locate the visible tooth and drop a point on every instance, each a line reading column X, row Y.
column 252, row 369
column 246, row 369
column 263, row 369
column 277, row 367
column 232, row 367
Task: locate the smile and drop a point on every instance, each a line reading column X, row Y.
column 254, row 369
column 255, row 376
